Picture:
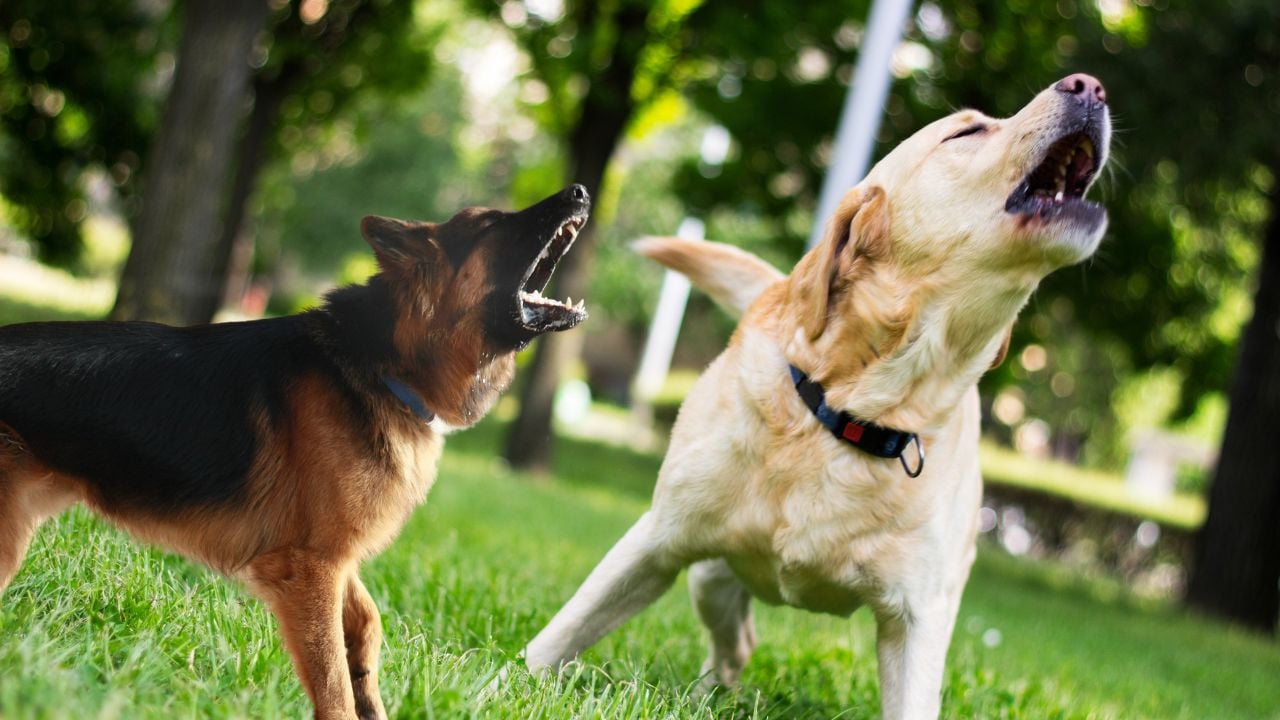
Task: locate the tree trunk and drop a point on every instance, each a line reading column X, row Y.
column 606, row 110
column 1237, row 562
column 232, row 254
column 169, row 274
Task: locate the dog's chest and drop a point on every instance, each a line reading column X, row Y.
column 395, row 494
column 806, row 586
column 820, row 569
column 826, row 539
column 415, row 460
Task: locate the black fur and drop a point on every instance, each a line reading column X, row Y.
column 168, row 418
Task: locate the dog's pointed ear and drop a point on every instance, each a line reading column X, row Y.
column 398, row 243
column 1003, row 352
column 857, row 233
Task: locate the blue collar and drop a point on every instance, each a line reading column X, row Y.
column 406, row 395
column 862, row 434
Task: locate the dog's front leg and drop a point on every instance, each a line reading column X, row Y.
column 306, row 594
column 911, row 648
column 362, row 629
column 631, row 576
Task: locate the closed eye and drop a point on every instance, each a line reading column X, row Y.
column 973, row 129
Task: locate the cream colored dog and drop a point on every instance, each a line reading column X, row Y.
column 896, row 314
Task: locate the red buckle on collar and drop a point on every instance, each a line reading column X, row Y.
column 852, row 432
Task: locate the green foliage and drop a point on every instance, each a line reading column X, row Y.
column 80, row 88
column 84, row 96
column 570, row 52
column 409, row 168
column 338, row 73
column 774, row 74
column 1192, row 202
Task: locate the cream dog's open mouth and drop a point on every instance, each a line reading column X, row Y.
column 1054, row 190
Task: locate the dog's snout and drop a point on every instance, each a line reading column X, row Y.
column 578, row 192
column 1085, row 88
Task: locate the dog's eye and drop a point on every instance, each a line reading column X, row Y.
column 973, row 129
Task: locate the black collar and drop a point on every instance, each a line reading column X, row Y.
column 862, row 434
column 406, row 395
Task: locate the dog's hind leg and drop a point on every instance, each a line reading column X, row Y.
column 17, row 525
column 637, row 571
column 305, row 592
column 362, row 629
column 724, row 605
column 27, row 499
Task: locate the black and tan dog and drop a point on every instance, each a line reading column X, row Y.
column 282, row 452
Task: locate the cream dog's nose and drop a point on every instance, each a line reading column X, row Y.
column 1085, row 87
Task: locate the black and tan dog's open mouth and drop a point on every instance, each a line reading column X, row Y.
column 543, row 314
column 1056, row 187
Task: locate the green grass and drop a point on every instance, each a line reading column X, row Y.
column 13, row 310
column 31, row 291
column 96, row 627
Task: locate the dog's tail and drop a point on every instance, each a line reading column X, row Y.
column 733, row 277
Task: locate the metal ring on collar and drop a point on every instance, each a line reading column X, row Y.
column 919, row 454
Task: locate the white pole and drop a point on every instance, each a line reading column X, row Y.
column 863, row 108
column 667, row 318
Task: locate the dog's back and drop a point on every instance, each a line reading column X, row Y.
column 151, row 416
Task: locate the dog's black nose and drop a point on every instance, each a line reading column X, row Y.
column 1085, row 88
column 578, row 192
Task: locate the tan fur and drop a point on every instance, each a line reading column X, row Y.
column 732, row 277
column 897, row 312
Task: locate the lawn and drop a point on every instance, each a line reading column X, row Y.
column 96, row 627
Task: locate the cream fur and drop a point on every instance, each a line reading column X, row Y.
column 897, row 313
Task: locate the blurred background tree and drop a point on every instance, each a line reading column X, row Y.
column 75, row 97
column 317, row 58
column 101, row 87
column 172, row 258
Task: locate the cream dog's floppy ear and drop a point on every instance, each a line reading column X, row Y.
column 857, row 233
